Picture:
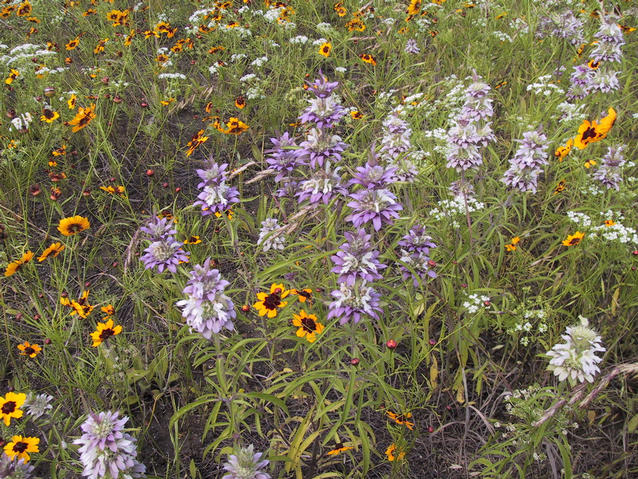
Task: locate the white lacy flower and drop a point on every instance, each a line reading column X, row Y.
column 575, row 359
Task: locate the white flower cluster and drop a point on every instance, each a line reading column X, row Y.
column 544, row 86
column 571, row 112
column 576, row 359
column 299, row 39
column 474, row 303
column 21, row 122
column 610, row 230
column 502, row 36
column 525, row 327
column 448, row 209
column 267, row 238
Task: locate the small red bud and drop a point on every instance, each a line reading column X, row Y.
column 19, row 316
column 144, row 104
column 391, row 344
column 114, row 265
column 36, row 316
column 463, row 285
column 354, row 361
column 432, row 342
column 245, row 308
column 47, row 341
column 149, row 172
column 430, row 429
column 486, row 303
column 178, row 189
column 87, row 284
column 277, row 291
column 165, row 184
column 431, row 263
column 635, row 252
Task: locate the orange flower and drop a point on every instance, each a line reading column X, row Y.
column 83, row 117
column 573, row 240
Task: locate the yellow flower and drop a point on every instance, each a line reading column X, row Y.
column 104, row 331
column 610, row 222
column 197, row 140
column 366, row 57
column 10, row 406
column 49, row 115
column 73, row 43
column 338, row 449
column 12, row 76
column 573, row 240
column 82, row 118
column 325, row 49
column 28, row 349
column 13, row 267
column 513, row 243
column 73, row 225
column 72, row 101
column 562, row 151
column 591, row 132
column 268, row 304
column 235, row 126
column 389, row 452
column 20, row 446
column 308, row 326
column 401, row 419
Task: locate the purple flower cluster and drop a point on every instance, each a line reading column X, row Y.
column 561, row 25
column 471, row 129
column 353, row 302
column 324, row 110
column 321, row 185
column 527, row 162
column 164, row 252
column 17, row 468
column 246, row 464
column 395, row 145
column 283, row 157
column 357, row 259
column 207, row 309
column 106, row 451
column 610, row 171
column 415, row 254
column 598, row 75
column 216, row 195
column 373, row 203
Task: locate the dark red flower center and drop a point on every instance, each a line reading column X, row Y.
column 8, row 407
column 29, row 351
column 272, row 301
column 20, row 447
column 589, row 133
column 106, row 333
column 308, row 324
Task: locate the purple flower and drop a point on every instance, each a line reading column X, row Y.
column 527, row 162
column 561, row 25
column 356, row 259
column 158, row 228
column 15, row 469
column 610, row 171
column 320, row 146
column 521, row 178
column 164, row 254
column 324, row 112
column 610, row 41
column 415, row 250
column 417, row 240
column 412, row 47
column 463, row 158
column 105, row 450
column 246, row 464
column 580, row 82
column 207, row 309
column 267, row 237
column 396, row 137
column 353, row 302
column 283, row 157
column 321, row 87
column 373, row 176
column 321, row 186
column 216, row 196
column 379, row 206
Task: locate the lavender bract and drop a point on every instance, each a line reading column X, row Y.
column 354, row 302
column 610, row 171
column 526, row 164
column 216, row 195
column 164, row 254
column 246, row 464
column 356, row 259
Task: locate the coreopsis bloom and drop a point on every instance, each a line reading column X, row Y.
column 562, row 151
column 207, row 309
column 575, row 359
column 52, row 251
column 73, row 43
column 367, row 58
column 609, row 173
column 103, row 331
column 573, row 240
column 216, row 196
column 378, row 206
column 49, row 116
column 512, row 245
column 234, row 126
column 354, row 302
column 402, row 419
column 83, row 117
column 197, row 140
column 338, row 449
column 303, row 295
column 325, row 49
column 28, row 349
column 106, row 451
column 245, row 463
column 12, row 76
column 73, row 225
column 267, row 238
column 21, row 446
column 37, row 405
column 10, row 406
column 591, row 132
column 309, row 326
column 270, row 303
column 391, row 451
column 15, row 266
column 357, row 259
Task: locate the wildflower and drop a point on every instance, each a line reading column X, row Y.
column 325, row 49
column 106, row 450
column 282, row 157
column 609, row 173
column 10, row 406
column 103, row 331
column 269, row 236
column 396, row 137
column 165, row 253
column 357, row 259
column 338, row 449
column 240, row 102
column 21, row 447
column 573, row 240
column 24, row 9
column 576, row 358
column 513, row 243
column 234, row 126
column 157, row 228
column 402, row 419
column 562, row 151
column 197, row 140
column 245, row 463
column 217, row 196
column 81, row 307
column 194, row 239
column 324, row 110
column 109, row 310
column 376, row 205
column 17, row 469
column 355, row 25
column 52, row 251
column 28, row 349
column 37, row 405
column 303, row 295
column 591, row 132
column 12, row 76
column 412, row 47
column 49, row 116
column 14, row 266
column 73, row 43
column 353, row 302
column 391, row 450
column 525, row 165
column 73, row 225
column 367, row 58
column 270, row 303
column 83, row 117
column 320, row 146
column 207, row 309
column 309, row 326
